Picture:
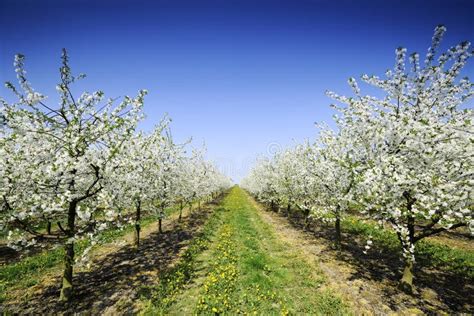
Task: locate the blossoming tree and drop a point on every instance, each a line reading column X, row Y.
column 404, row 158
column 421, row 136
column 54, row 160
column 82, row 166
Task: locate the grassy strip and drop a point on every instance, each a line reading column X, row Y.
column 158, row 298
column 427, row 253
column 245, row 270
column 28, row 271
column 274, row 278
column 221, row 280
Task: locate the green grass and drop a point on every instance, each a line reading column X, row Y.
column 428, row 253
column 245, row 269
column 158, row 298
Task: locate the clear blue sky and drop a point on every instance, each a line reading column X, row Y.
column 241, row 75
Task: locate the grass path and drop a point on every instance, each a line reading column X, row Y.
column 246, row 268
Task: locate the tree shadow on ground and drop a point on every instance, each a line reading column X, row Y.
column 119, row 275
column 384, row 265
column 7, row 255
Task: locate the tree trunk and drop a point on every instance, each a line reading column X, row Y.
column 137, row 224
column 199, row 205
column 288, row 210
column 338, row 233
column 160, row 220
column 67, row 285
column 306, row 219
column 406, row 283
column 180, row 210
column 272, row 206
column 48, row 228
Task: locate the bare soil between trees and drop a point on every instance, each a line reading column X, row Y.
column 117, row 272
column 369, row 283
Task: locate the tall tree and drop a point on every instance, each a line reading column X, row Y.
column 55, row 158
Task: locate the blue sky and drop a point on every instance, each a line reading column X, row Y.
column 246, row 77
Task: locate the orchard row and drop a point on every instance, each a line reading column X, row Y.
column 73, row 170
column 403, row 157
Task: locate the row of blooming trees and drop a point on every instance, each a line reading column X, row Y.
column 70, row 171
column 404, row 158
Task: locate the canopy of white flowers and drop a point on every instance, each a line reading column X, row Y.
column 83, row 165
column 405, row 159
